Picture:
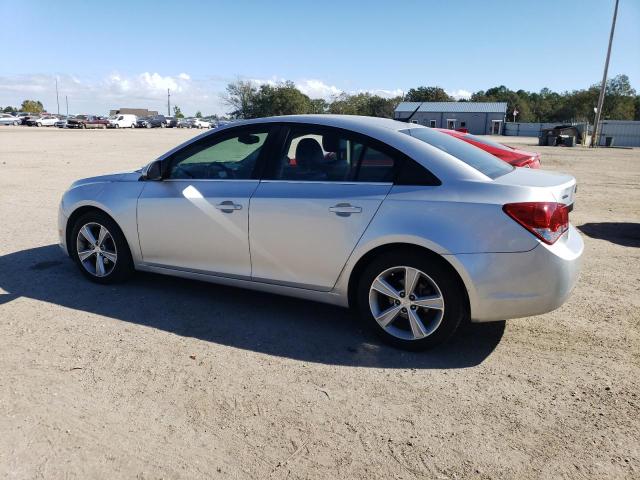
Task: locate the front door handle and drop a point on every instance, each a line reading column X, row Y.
column 228, row 206
column 345, row 209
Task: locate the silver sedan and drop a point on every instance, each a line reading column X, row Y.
column 413, row 229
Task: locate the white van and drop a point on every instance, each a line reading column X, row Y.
column 124, row 120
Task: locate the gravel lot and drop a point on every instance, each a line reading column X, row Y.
column 167, row 378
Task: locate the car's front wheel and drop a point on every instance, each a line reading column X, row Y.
column 100, row 249
column 411, row 300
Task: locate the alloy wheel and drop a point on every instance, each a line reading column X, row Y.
column 96, row 249
column 406, row 303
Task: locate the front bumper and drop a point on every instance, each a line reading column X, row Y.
column 62, row 229
column 522, row 284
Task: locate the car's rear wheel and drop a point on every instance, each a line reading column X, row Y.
column 15, row 124
column 38, row 124
column 148, row 125
column 410, row 300
column 99, row 248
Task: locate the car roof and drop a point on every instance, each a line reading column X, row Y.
column 340, row 121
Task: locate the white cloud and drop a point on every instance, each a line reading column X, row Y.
column 459, row 94
column 145, row 90
column 149, row 90
column 318, row 89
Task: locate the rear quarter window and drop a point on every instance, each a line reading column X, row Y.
column 475, row 157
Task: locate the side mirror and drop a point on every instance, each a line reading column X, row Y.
column 152, row 171
column 248, row 139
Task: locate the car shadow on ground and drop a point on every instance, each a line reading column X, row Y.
column 625, row 234
column 256, row 321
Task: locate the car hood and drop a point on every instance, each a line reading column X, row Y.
column 113, row 177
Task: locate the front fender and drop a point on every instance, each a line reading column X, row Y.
column 117, row 199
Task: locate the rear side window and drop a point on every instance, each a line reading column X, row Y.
column 475, row 157
column 313, row 153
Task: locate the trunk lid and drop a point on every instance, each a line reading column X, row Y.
column 562, row 186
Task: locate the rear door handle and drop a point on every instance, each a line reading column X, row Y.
column 228, row 206
column 345, row 209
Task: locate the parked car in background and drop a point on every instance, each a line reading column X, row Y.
column 513, row 156
column 62, row 121
column 171, row 122
column 415, row 230
column 8, row 119
column 42, row 121
column 156, row 121
column 88, row 121
column 23, row 116
column 124, row 120
column 185, row 123
column 200, row 123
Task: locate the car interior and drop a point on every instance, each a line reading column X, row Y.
column 330, row 157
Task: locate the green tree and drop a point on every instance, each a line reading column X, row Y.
column 9, row 109
column 177, row 113
column 636, row 115
column 281, row 99
column 619, row 101
column 427, row 94
column 198, row 114
column 240, row 96
column 33, row 106
column 364, row 104
column 319, row 105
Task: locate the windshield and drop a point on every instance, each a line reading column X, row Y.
column 482, row 161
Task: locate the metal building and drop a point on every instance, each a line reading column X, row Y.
column 140, row 112
column 480, row 118
column 620, row 133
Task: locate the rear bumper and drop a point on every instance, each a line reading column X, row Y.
column 512, row 285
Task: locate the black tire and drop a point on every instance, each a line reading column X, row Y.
column 124, row 264
column 452, row 291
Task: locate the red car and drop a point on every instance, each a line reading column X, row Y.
column 513, row 156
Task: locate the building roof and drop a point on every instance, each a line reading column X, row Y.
column 452, row 107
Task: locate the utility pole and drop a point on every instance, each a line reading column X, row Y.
column 595, row 140
column 57, row 98
column 168, row 103
column 66, row 99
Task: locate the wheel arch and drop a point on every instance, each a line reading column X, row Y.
column 367, row 257
column 77, row 213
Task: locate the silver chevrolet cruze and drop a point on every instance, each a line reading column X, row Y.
column 415, row 230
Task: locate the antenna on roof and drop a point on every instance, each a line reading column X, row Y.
column 406, row 120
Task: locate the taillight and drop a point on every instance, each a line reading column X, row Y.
column 546, row 220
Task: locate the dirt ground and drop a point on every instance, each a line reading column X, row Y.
column 167, row 378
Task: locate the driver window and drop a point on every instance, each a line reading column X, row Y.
column 231, row 158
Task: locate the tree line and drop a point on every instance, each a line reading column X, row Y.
column 248, row 100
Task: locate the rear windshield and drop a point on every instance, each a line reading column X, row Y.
column 475, row 157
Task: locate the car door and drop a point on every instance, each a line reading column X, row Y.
column 197, row 217
column 319, row 193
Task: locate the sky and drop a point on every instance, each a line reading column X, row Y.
column 114, row 53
